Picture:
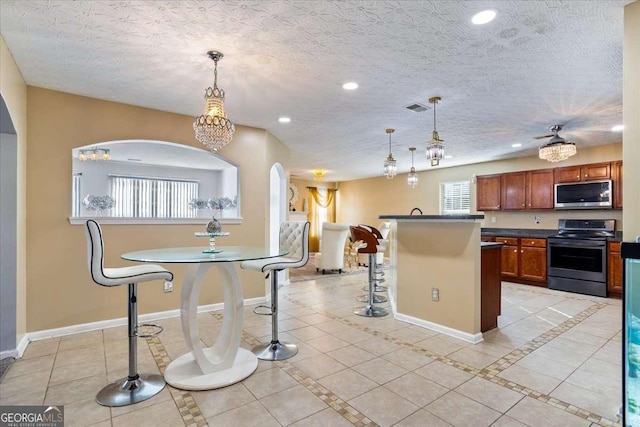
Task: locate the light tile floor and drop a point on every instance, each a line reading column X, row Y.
column 554, row 361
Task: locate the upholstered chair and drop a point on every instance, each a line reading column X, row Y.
column 331, row 255
column 135, row 387
column 294, row 237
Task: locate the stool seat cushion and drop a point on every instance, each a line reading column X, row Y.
column 294, row 238
column 277, row 263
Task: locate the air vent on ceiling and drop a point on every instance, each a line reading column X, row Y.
column 418, row 108
column 134, row 160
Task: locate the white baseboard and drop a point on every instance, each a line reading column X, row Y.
column 465, row 336
column 103, row 324
column 16, row 352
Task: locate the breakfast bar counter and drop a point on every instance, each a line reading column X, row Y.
column 436, row 272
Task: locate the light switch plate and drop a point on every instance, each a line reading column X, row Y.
column 435, row 294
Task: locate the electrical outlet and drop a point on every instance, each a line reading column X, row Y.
column 536, row 219
column 493, row 219
column 168, row 286
column 435, row 294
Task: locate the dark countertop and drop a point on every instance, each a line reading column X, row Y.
column 518, row 232
column 433, row 217
column 489, row 245
column 532, row 232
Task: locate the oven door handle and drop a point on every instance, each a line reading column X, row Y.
column 566, row 244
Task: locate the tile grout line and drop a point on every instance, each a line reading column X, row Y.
column 502, row 363
column 347, row 411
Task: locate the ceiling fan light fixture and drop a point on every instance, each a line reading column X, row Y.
column 557, row 149
column 390, row 163
column 213, row 129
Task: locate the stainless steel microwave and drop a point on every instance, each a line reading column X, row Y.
column 584, row 195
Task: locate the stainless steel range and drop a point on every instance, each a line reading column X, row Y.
column 577, row 256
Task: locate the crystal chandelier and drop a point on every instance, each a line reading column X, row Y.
column 94, row 154
column 412, row 178
column 213, row 129
column 435, row 148
column 557, row 149
column 390, row 162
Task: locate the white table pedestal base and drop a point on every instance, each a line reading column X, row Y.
column 184, row 372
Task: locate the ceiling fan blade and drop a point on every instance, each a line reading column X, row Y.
column 543, row 136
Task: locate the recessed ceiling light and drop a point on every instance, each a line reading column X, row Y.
column 483, row 17
column 617, row 128
column 516, row 145
column 284, row 119
column 448, row 157
column 350, row 86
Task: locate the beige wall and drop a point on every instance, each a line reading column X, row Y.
column 363, row 200
column 303, row 191
column 14, row 92
column 443, row 255
column 60, row 291
column 631, row 116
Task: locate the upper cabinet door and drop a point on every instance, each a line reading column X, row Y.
column 513, row 191
column 616, row 176
column 488, row 193
column 540, row 189
column 596, row 171
column 568, row 174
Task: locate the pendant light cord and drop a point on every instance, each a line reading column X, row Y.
column 215, row 74
column 389, row 143
column 434, row 115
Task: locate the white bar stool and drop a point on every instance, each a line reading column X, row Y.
column 135, row 387
column 294, row 237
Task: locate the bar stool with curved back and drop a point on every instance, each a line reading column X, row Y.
column 370, row 248
column 135, row 387
column 378, row 273
column 294, row 237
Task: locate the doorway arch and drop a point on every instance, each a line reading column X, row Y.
column 277, row 214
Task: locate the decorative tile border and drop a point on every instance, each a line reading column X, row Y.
column 492, row 371
column 186, row 404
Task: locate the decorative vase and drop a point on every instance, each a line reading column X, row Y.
column 214, row 226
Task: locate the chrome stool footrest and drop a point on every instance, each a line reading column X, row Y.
column 269, row 313
column 376, row 298
column 150, row 334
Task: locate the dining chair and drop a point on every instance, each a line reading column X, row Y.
column 135, row 387
column 294, row 237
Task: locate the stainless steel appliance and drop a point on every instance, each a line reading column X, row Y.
column 577, row 256
column 584, row 195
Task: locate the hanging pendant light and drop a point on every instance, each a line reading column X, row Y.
column 390, row 162
column 412, row 178
column 435, row 147
column 213, row 129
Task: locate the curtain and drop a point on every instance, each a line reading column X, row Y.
column 321, row 209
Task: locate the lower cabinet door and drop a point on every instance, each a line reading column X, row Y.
column 509, row 261
column 533, row 264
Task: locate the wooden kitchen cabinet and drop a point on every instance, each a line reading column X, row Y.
column 524, row 260
column 578, row 173
column 533, row 259
column 513, row 191
column 539, row 189
column 488, row 193
column 509, row 257
column 614, row 272
column 616, row 177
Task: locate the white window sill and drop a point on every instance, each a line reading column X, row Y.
column 142, row 221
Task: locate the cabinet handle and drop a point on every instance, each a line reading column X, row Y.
column 529, row 204
column 523, row 205
column 515, row 250
column 586, row 176
column 533, row 243
column 521, row 251
column 578, row 176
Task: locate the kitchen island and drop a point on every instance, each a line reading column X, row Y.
column 436, row 275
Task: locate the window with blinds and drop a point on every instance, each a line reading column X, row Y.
column 455, row 198
column 138, row 197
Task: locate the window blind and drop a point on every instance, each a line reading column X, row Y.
column 152, row 198
column 455, row 198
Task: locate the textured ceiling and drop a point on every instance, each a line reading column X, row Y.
column 537, row 64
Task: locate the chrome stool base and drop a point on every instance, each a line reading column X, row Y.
column 275, row 351
column 127, row 392
column 376, row 298
column 370, row 311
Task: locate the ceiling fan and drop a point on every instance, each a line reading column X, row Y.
column 557, row 148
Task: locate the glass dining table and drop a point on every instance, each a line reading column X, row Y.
column 224, row 363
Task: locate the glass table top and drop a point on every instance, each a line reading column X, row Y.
column 195, row 254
